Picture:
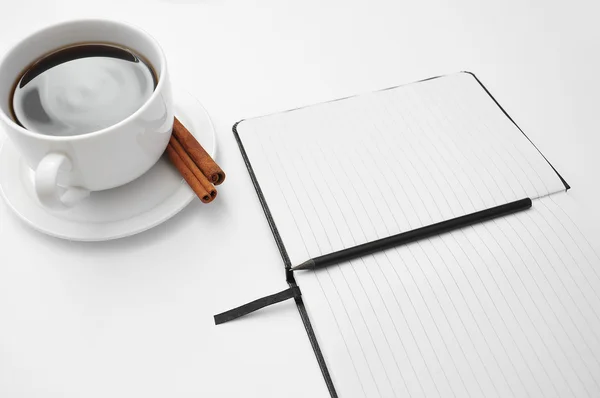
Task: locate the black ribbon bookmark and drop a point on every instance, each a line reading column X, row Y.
column 292, row 292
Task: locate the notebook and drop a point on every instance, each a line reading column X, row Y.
column 508, row 307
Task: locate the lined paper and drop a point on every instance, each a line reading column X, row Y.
column 345, row 172
column 506, row 308
column 503, row 309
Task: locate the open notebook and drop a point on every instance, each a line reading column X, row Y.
column 509, row 307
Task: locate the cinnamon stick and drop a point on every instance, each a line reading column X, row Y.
column 205, row 163
column 208, row 186
column 188, row 175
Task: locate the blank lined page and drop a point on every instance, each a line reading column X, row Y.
column 507, row 308
column 485, row 311
column 349, row 171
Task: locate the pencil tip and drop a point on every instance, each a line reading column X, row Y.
column 304, row 265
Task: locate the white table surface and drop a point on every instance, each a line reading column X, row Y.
column 133, row 317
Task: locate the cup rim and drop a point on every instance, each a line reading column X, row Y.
column 157, row 90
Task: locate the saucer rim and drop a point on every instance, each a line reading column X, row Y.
column 164, row 216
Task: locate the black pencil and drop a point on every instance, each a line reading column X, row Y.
column 415, row 234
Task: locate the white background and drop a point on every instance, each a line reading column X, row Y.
column 133, row 317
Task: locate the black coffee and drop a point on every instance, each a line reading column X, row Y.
column 82, row 88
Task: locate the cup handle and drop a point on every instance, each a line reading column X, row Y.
column 46, row 188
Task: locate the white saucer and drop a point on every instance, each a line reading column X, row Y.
column 115, row 213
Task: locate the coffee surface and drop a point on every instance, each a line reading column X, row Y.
column 81, row 89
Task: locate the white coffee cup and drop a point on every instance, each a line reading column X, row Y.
column 67, row 168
